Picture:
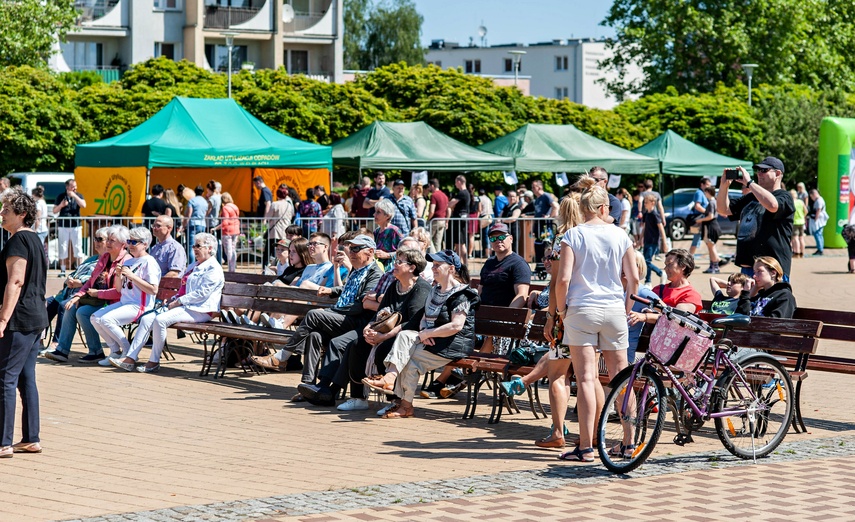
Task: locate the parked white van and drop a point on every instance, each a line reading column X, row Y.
column 53, row 182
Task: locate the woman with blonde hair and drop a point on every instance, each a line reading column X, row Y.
column 230, row 227
column 418, row 197
column 767, row 294
column 590, row 299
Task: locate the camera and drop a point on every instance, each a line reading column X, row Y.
column 732, row 174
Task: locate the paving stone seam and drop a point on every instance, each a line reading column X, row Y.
column 407, row 493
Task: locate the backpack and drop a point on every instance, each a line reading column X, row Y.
column 307, row 209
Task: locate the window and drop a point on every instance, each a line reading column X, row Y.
column 438, row 63
column 473, row 66
column 218, row 57
column 166, row 50
column 509, row 65
column 299, row 62
column 561, row 63
column 561, row 93
column 167, row 4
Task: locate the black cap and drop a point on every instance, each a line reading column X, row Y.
column 399, row 182
column 770, row 162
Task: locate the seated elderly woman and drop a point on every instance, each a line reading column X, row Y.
column 101, row 289
column 139, row 277
column 196, row 302
column 442, row 333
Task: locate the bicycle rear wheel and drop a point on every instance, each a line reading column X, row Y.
column 625, row 445
column 762, row 423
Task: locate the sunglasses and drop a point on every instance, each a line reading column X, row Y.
column 356, row 249
column 493, row 239
column 100, row 239
column 198, row 246
column 133, row 242
column 316, row 243
column 763, row 171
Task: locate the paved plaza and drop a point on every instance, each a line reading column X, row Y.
column 176, row 446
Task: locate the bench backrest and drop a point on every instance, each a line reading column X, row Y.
column 790, row 337
column 508, row 322
column 476, row 281
column 836, row 326
column 248, row 279
column 167, row 287
column 272, row 299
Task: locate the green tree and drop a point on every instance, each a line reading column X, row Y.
column 30, row 29
column 39, row 124
column 695, row 44
column 355, row 32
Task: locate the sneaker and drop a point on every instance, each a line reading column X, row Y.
column 450, row 391
column 432, row 391
column 106, row 360
column 712, row 270
column 91, row 358
column 354, row 405
column 513, row 387
column 57, row 356
column 264, row 320
column 723, row 261
column 224, row 317
column 817, row 253
column 244, row 319
column 385, row 409
column 61, row 274
column 119, row 363
column 233, row 317
column 308, row 391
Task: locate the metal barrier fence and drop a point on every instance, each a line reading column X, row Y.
column 253, row 244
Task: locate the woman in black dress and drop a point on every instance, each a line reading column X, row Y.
column 23, row 317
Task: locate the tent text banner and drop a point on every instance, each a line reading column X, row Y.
column 111, row 191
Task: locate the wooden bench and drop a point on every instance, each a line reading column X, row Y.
column 836, row 327
column 792, row 341
column 248, row 339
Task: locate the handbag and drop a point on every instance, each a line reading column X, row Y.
column 385, row 322
column 526, row 354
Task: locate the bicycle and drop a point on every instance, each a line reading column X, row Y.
column 749, row 396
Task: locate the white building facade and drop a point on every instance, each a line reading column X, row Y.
column 560, row 69
column 305, row 36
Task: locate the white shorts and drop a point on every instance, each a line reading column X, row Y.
column 603, row 328
column 63, row 236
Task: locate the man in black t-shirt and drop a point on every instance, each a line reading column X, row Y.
column 155, row 205
column 765, row 215
column 67, row 207
column 458, row 208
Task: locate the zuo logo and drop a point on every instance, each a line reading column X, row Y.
column 115, row 197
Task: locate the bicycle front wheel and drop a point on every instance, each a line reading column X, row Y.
column 627, row 441
column 762, row 403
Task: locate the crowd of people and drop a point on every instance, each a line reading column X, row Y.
column 404, row 302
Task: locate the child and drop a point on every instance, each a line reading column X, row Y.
column 654, row 236
column 725, row 302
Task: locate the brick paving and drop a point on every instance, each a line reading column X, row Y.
column 173, row 446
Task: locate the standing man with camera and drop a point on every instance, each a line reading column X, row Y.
column 67, row 207
column 765, row 214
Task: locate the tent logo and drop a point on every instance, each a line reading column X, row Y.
column 115, row 199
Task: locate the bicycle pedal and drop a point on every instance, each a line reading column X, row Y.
column 681, row 439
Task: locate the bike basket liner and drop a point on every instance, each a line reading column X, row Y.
column 680, row 342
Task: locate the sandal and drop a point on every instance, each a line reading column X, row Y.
column 578, row 455
column 513, row 387
column 27, row 447
column 380, row 385
column 550, row 443
column 399, row 413
column 624, row 452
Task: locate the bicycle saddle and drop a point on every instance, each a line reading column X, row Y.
column 732, row 320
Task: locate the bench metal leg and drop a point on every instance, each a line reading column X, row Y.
column 208, row 357
column 798, row 421
column 469, row 412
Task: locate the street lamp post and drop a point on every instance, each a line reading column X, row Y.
column 517, row 57
column 749, row 71
column 230, row 42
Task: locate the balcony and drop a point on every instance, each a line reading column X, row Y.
column 315, row 22
column 107, row 73
column 226, row 17
column 91, row 10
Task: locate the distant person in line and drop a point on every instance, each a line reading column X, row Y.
column 67, row 207
column 437, row 212
column 797, row 243
column 817, row 219
column 699, row 210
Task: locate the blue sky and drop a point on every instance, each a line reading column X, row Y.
column 508, row 21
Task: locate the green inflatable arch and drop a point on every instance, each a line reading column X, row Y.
column 837, row 175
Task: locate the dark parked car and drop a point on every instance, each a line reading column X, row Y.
column 678, row 205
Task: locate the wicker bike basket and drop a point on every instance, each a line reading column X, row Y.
column 680, row 341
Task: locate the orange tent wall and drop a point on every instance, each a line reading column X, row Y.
column 299, row 179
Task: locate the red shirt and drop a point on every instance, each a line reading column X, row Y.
column 441, row 201
column 674, row 296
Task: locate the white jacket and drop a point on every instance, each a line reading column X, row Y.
column 204, row 286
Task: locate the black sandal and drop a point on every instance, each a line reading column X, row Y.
column 578, row 455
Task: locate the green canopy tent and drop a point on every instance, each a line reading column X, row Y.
column 411, row 146
column 191, row 141
column 198, row 133
column 681, row 157
column 564, row 148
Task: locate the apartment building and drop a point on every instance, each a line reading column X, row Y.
column 305, row 36
column 558, row 69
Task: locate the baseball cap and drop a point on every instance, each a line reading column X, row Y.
column 445, row 256
column 770, row 162
column 399, row 182
column 500, row 228
column 363, row 240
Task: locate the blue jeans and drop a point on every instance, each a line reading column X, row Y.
column 191, row 237
column 649, row 252
column 696, row 240
column 820, row 241
column 55, row 308
column 79, row 315
column 18, row 351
